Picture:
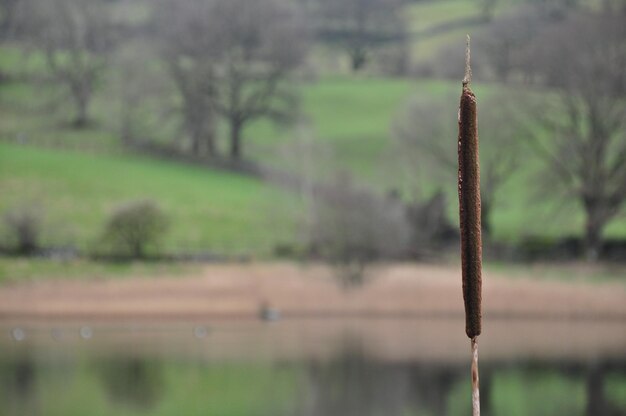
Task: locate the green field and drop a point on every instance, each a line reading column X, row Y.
column 351, row 116
column 228, row 213
column 209, row 210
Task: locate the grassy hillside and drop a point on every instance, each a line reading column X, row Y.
column 352, row 117
column 348, row 115
column 209, row 210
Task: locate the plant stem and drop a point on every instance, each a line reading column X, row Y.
column 475, row 380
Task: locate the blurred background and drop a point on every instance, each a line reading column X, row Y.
column 249, row 207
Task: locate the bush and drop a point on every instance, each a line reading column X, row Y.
column 134, row 227
column 23, row 226
column 431, row 229
column 351, row 227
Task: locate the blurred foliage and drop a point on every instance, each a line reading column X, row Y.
column 135, row 227
column 216, row 212
column 23, row 226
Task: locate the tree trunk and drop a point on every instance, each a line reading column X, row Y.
column 594, row 225
column 235, row 139
column 358, row 58
column 210, row 144
column 82, row 105
column 138, row 250
column 593, row 240
column 196, row 147
column 596, row 400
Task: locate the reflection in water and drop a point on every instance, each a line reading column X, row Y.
column 350, row 382
column 351, row 385
column 17, row 386
column 134, row 381
column 597, row 401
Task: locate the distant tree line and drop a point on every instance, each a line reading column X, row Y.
column 564, row 105
column 225, row 62
column 228, row 61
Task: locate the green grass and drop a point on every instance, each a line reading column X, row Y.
column 21, row 268
column 15, row 61
column 209, row 210
column 426, row 15
column 350, row 115
column 429, row 14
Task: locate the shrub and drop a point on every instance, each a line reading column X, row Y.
column 431, row 229
column 134, row 227
column 351, row 227
column 23, row 226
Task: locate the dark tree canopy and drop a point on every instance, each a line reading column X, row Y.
column 258, row 44
column 76, row 37
column 359, row 25
column 186, row 46
column 231, row 58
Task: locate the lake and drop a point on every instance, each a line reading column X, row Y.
column 315, row 367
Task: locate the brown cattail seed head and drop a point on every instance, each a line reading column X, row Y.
column 469, row 208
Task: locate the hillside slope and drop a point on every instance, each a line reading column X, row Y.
column 209, row 210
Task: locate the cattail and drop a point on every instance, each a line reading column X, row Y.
column 469, row 206
column 469, row 209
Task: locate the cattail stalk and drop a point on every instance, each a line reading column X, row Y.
column 475, row 380
column 470, row 227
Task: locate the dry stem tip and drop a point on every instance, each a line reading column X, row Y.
column 468, row 69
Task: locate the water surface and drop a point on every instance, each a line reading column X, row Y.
column 315, row 367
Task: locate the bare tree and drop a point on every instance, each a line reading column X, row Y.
column 424, row 139
column 75, row 37
column 359, row 25
column 583, row 61
column 352, row 228
column 504, row 42
column 8, row 12
column 187, row 44
column 136, row 88
column 230, row 58
column 257, row 44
